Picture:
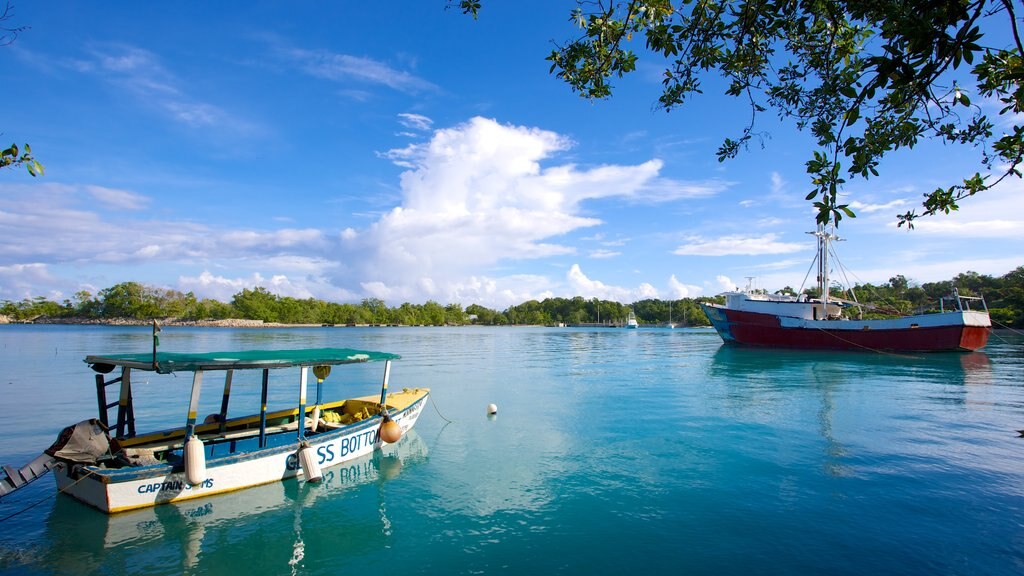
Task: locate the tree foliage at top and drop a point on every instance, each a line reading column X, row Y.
column 12, row 156
column 865, row 77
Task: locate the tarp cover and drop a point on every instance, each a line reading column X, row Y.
column 84, row 442
column 168, row 362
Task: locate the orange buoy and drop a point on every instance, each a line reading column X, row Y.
column 390, row 431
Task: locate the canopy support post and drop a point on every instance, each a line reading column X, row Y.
column 101, row 399
column 193, row 405
column 224, row 400
column 125, row 410
column 384, row 386
column 303, row 376
column 263, row 409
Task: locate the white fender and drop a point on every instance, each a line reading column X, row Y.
column 195, row 461
column 310, row 467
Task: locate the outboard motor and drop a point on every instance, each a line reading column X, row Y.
column 83, row 443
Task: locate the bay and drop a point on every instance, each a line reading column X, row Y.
column 612, row 451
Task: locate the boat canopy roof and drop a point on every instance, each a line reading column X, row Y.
column 168, row 362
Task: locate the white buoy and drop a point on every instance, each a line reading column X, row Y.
column 492, row 409
column 195, row 461
column 310, row 467
column 316, row 418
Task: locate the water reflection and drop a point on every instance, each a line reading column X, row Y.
column 178, row 538
column 779, row 389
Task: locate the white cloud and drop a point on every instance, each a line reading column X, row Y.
column 119, row 199
column 345, row 68
column 725, row 284
column 142, row 74
column 20, row 281
column 861, row 207
column 415, row 121
column 476, row 199
column 737, row 245
column 679, row 290
column 477, row 194
column 667, row 190
column 45, row 224
column 222, row 288
column 580, row 285
column 991, row 214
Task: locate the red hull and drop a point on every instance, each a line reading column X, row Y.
column 767, row 330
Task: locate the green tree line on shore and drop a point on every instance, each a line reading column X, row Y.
column 135, row 301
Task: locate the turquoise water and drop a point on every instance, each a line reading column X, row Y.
column 612, row 451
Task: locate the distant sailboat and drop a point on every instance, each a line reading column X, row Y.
column 670, row 324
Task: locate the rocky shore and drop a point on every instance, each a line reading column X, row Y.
column 226, row 323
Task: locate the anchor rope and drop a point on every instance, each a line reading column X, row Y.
column 43, row 499
column 434, row 404
column 1011, row 329
column 868, row 348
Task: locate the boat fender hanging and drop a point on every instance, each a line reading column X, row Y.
column 390, row 431
column 492, row 409
column 195, row 461
column 308, row 461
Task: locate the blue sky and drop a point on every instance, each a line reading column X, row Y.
column 410, row 153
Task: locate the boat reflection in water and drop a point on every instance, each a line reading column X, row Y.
column 273, row 523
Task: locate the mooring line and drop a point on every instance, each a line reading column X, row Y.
column 434, row 404
column 868, row 348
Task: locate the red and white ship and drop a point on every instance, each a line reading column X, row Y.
column 783, row 321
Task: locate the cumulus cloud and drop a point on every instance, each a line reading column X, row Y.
column 725, row 284
column 580, row 285
column 736, row 244
column 222, row 288
column 479, row 194
column 475, row 200
column 679, row 290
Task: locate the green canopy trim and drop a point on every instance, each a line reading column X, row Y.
column 168, row 362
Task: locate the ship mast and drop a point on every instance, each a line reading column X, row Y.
column 824, row 238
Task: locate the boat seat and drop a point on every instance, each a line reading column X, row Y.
column 217, row 437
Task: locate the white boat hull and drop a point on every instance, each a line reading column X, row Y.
column 118, row 490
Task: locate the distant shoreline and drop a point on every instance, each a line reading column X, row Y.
column 177, row 323
column 171, row 322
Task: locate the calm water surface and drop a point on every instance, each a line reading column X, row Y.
column 613, row 451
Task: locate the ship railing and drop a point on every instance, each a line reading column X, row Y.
column 963, row 303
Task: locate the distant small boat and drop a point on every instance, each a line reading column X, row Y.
column 109, row 466
column 631, row 320
column 785, row 321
